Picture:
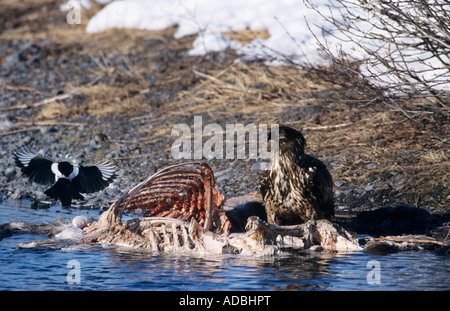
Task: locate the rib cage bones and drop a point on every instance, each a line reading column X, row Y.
column 181, row 191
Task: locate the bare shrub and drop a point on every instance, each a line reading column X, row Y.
column 396, row 52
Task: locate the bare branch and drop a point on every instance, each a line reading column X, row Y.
column 393, row 51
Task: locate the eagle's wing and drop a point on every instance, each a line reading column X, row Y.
column 322, row 190
column 263, row 183
column 94, row 178
column 35, row 167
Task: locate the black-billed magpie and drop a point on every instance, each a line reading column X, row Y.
column 67, row 180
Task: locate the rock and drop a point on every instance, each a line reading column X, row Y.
column 371, row 166
column 29, row 53
column 11, row 60
column 5, row 233
column 368, row 188
column 378, row 143
column 381, row 248
column 70, row 233
column 82, row 221
column 113, row 191
column 259, row 166
column 224, row 177
column 10, row 172
column 120, row 172
column 38, row 204
column 17, row 194
column 339, row 183
column 94, row 144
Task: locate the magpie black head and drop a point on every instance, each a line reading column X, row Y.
column 65, row 168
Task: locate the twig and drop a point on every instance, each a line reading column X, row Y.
column 132, row 157
column 442, row 139
column 20, row 131
column 38, row 124
column 20, row 88
column 335, row 126
column 325, row 127
column 48, row 123
column 39, row 103
column 54, row 98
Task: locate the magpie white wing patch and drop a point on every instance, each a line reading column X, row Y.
column 36, row 168
column 107, row 169
column 24, row 155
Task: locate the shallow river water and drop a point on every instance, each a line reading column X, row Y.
column 112, row 269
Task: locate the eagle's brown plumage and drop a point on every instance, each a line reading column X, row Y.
column 297, row 187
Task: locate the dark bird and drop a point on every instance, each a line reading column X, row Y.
column 296, row 187
column 68, row 181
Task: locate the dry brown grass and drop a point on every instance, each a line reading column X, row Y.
column 104, row 100
column 54, row 111
column 245, row 36
column 255, row 92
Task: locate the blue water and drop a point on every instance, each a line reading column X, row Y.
column 102, row 268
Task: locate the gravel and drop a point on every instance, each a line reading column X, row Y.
column 36, row 71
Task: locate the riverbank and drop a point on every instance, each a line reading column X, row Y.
column 117, row 95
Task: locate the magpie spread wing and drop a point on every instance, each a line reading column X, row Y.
column 94, row 178
column 35, row 167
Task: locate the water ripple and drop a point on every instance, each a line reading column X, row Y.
column 112, row 269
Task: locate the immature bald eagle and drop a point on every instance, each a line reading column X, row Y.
column 297, row 187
